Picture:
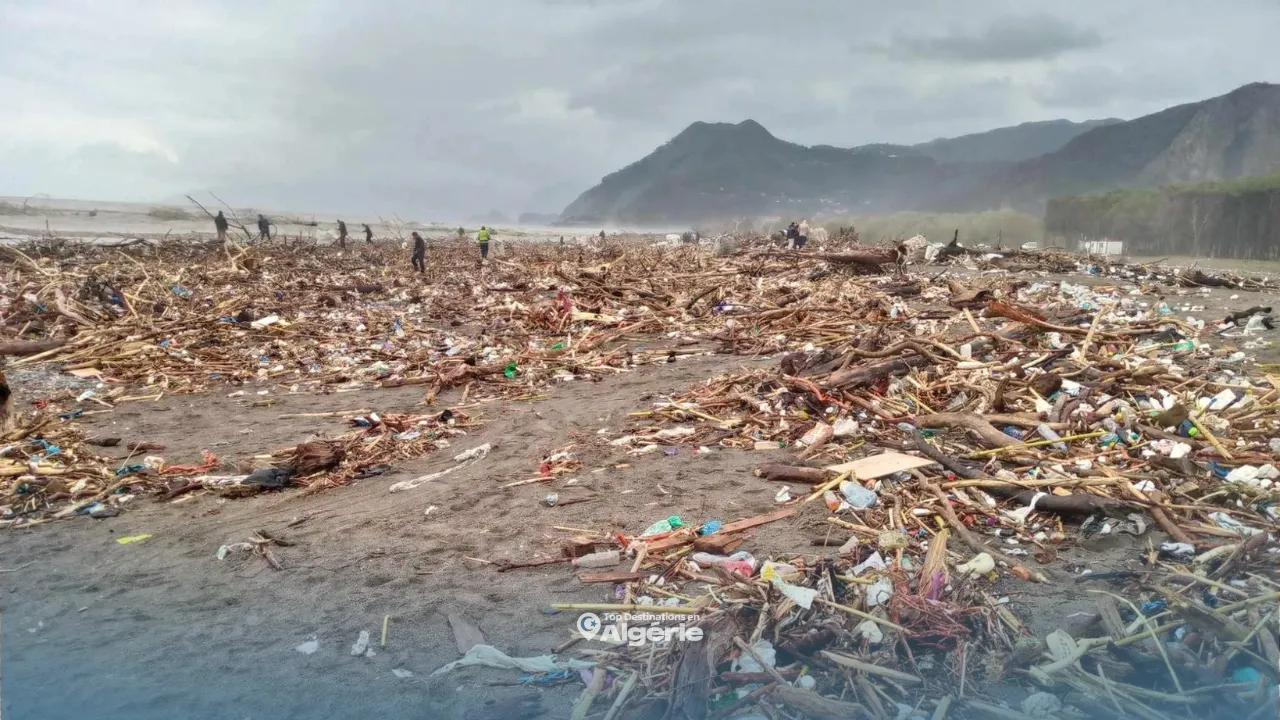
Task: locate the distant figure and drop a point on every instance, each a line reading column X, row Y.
column 461, row 232
column 793, row 235
column 601, row 234
column 368, row 234
column 220, row 223
column 264, row 227
column 342, row 235
column 561, row 239
column 419, row 252
column 802, row 234
column 482, row 238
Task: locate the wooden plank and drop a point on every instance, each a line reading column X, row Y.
column 740, row 525
column 683, row 536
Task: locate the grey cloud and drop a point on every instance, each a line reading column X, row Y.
column 440, row 110
column 1015, row 38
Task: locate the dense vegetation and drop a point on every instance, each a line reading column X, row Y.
column 1239, row 219
column 994, row 227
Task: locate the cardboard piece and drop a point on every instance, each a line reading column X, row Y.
column 876, row 466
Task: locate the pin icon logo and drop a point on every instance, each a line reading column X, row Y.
column 589, row 625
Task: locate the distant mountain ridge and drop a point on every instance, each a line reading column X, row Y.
column 721, row 170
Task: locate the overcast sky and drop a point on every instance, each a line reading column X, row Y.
column 439, row 110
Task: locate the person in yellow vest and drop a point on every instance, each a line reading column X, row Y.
column 482, row 238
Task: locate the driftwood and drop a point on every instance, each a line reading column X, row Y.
column 21, row 348
column 1076, row 503
column 863, row 376
column 793, row 473
column 969, row 421
column 812, row 705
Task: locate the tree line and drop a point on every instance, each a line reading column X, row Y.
column 1237, row 219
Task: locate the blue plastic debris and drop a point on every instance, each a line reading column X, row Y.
column 709, row 527
column 1151, row 607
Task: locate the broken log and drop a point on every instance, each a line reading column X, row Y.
column 812, row 705
column 969, row 421
column 863, row 376
column 20, row 348
column 793, row 473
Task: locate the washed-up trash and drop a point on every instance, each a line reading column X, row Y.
column 130, row 539
column 981, row 564
column 665, row 525
column 462, row 459
column 858, row 496
column 879, row 592
column 764, row 650
column 490, row 656
column 802, row 596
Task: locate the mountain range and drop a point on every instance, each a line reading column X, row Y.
column 718, row 171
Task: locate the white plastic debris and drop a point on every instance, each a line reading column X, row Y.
column 1183, row 551
column 874, row 562
column 491, row 656
column 870, row 631
column 747, row 664
column 802, row 596
column 879, row 592
column 310, row 646
column 845, row 427
column 361, row 645
column 463, row 459
column 1243, row 474
column 1041, row 705
column 981, row 564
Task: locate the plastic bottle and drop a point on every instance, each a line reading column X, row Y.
column 1255, row 326
column 1047, row 433
column 832, row 500
column 741, row 562
column 1188, row 429
column 858, row 496
column 605, row 558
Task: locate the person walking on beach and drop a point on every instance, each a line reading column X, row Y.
column 368, row 234
column 220, row 223
column 482, row 238
column 264, row 227
column 419, row 253
column 342, row 235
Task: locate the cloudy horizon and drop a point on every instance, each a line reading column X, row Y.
column 435, row 110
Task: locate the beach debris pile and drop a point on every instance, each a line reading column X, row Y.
column 949, row 451
column 948, row 436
